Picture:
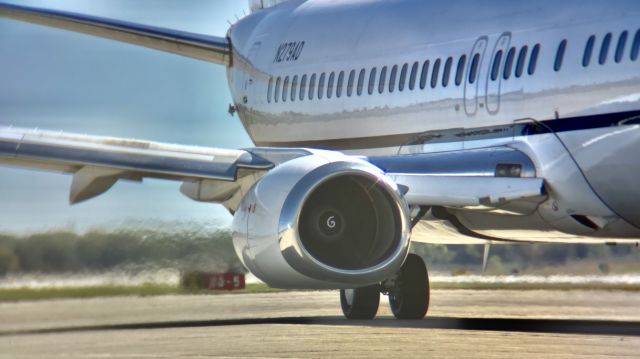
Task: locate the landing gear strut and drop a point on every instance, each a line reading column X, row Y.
column 408, row 292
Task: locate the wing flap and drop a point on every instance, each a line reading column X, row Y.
column 202, row 47
column 89, row 182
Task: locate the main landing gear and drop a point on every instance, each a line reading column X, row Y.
column 408, row 292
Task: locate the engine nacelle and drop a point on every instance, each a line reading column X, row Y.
column 322, row 221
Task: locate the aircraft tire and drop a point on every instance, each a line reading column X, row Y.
column 360, row 303
column 410, row 297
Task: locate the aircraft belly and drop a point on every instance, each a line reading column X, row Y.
column 610, row 162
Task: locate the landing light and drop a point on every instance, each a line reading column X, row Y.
column 508, row 170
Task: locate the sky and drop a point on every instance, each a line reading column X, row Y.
column 59, row 80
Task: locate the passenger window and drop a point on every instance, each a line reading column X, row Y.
column 604, row 50
column 383, row 79
column 533, row 61
column 285, row 89
column 294, row 88
column 270, row 90
column 423, row 76
column 414, row 75
column 403, row 77
column 277, row 91
column 460, row 70
column 635, row 48
column 392, row 78
column 588, row 50
column 435, row 73
column 352, row 78
column 508, row 64
column 622, row 44
column 303, row 87
column 372, row 80
column 312, row 86
column 340, row 84
column 495, row 68
column 447, row 72
column 557, row 65
column 332, row 78
column 473, row 72
column 522, row 58
column 321, row 86
column 361, row 81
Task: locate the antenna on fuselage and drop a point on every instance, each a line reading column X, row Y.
column 485, row 257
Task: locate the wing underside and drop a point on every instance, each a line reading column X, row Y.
column 198, row 46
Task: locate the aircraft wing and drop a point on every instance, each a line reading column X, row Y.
column 97, row 163
column 460, row 179
column 198, row 46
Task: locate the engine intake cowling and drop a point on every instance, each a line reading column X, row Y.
column 322, row 221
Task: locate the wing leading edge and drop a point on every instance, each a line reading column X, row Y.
column 99, row 162
column 202, row 47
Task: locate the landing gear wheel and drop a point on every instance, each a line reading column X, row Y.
column 409, row 297
column 360, row 303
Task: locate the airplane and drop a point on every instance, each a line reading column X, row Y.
column 381, row 123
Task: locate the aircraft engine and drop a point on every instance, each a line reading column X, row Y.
column 322, row 221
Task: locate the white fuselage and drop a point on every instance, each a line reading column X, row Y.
column 386, row 77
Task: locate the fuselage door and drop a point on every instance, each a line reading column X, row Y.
column 494, row 75
column 472, row 78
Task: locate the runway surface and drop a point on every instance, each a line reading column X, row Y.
column 461, row 323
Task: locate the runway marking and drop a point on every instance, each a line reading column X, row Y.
column 589, row 327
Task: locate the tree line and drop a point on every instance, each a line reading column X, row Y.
column 212, row 250
column 100, row 251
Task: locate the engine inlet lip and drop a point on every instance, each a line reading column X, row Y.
column 294, row 251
